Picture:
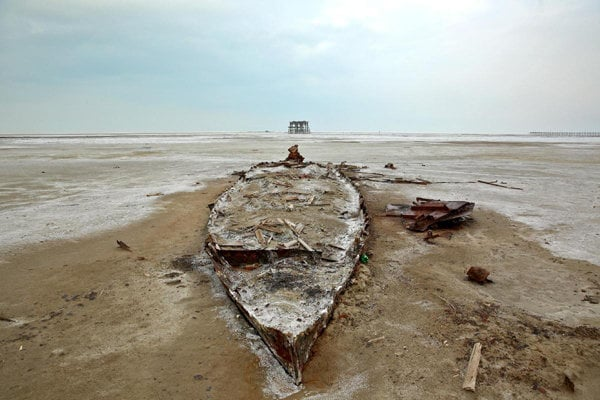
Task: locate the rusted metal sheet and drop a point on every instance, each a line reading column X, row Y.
column 425, row 213
column 285, row 241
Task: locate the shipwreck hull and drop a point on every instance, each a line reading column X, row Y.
column 285, row 241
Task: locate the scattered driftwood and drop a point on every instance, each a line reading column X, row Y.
column 591, row 298
column 416, row 181
column 374, row 178
column 494, row 183
column 479, row 275
column 294, row 154
column 123, row 245
column 471, row 374
column 154, row 194
column 427, row 213
column 353, row 173
column 6, row 319
column 375, row 340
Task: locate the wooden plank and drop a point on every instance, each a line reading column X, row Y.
column 304, row 244
column 259, row 237
column 471, row 374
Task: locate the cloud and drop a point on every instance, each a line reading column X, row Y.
column 388, row 15
column 380, row 64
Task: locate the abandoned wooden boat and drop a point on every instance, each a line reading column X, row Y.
column 285, row 240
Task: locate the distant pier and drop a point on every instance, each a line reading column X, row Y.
column 566, row 134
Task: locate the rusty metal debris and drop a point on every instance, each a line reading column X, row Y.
column 285, row 241
column 294, row 154
column 426, row 213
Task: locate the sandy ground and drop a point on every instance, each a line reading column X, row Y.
column 85, row 319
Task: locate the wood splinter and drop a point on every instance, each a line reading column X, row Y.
column 123, row 245
column 471, row 374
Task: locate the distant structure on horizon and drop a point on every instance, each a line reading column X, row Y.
column 571, row 134
column 298, row 127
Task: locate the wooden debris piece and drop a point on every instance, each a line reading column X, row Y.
column 290, row 225
column 123, row 245
column 289, row 244
column 430, row 236
column 494, row 183
column 231, row 244
column 260, row 237
column 305, row 245
column 375, row 340
column 390, row 166
column 269, row 228
column 155, row 194
column 335, row 246
column 331, row 256
column 471, row 374
column 416, row 181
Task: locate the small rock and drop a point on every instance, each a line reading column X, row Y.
column 58, row 352
column 91, row 295
column 569, row 380
column 478, row 274
column 591, row 299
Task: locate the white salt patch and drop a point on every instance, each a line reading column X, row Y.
column 342, row 390
column 82, row 193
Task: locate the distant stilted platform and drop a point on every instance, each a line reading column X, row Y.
column 298, row 127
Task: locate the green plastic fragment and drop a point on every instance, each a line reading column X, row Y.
column 364, row 258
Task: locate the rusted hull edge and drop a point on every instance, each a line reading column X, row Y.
column 292, row 352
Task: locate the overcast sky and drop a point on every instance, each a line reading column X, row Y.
column 390, row 65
